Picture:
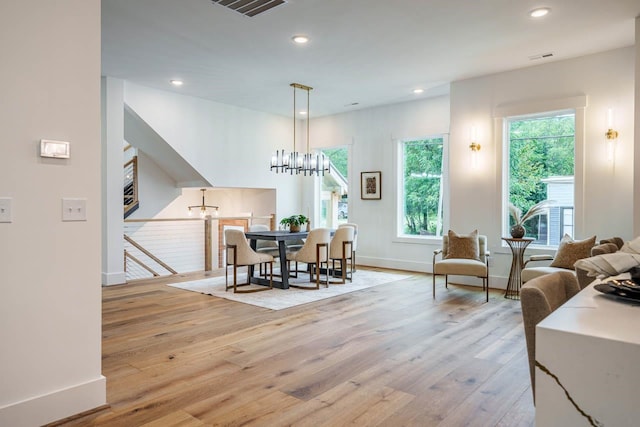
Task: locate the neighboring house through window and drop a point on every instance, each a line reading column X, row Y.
column 540, row 165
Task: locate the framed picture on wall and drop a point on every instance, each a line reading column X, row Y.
column 370, row 185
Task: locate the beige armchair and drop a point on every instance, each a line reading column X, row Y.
column 539, row 298
column 452, row 264
column 315, row 253
column 239, row 254
column 341, row 250
column 586, row 248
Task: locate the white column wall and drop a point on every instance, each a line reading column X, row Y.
column 50, row 302
column 112, row 101
column 636, row 153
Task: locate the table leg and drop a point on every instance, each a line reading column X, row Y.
column 515, row 278
column 284, row 270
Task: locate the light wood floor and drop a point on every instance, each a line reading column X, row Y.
column 385, row 356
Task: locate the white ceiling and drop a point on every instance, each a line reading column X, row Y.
column 372, row 52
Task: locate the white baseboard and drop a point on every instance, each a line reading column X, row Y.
column 118, row 278
column 56, row 405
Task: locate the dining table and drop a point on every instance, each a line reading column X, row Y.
column 281, row 237
column 588, row 361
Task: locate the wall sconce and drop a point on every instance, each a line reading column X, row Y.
column 203, row 207
column 611, row 136
column 474, row 147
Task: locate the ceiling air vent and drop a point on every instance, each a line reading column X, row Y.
column 249, row 7
column 541, row 56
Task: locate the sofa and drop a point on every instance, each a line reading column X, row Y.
column 564, row 262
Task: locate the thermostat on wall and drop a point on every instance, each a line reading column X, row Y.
column 51, row 148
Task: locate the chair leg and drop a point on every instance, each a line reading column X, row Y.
column 446, row 281
column 434, row 284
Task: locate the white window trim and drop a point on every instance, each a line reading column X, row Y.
column 503, row 111
column 417, row 239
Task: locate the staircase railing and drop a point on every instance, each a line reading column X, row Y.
column 131, row 202
column 169, row 246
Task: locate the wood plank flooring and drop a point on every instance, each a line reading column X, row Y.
column 385, row 356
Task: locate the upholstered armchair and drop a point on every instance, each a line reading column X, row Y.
column 239, row 254
column 315, row 253
column 539, row 298
column 569, row 251
column 462, row 255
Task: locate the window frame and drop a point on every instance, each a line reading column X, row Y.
column 399, row 177
column 504, row 112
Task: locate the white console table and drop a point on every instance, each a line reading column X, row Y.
column 588, row 363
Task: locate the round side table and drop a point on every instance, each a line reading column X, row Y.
column 517, row 264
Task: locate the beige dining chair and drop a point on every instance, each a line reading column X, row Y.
column 265, row 246
column 314, row 253
column 539, row 297
column 355, row 241
column 341, row 250
column 239, row 254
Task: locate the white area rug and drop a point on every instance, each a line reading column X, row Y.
column 278, row 299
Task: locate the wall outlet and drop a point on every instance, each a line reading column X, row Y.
column 74, row 209
column 5, row 209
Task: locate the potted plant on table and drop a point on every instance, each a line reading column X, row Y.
column 517, row 230
column 294, row 222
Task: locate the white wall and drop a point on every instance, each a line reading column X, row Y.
column 636, row 154
column 372, row 134
column 607, row 80
column 230, row 146
column 476, row 195
column 50, row 307
column 113, row 159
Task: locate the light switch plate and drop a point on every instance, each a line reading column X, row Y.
column 74, row 209
column 5, row 209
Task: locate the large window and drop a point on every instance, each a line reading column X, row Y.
column 541, row 158
column 422, row 183
column 334, row 189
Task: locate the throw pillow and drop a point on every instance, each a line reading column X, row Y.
column 571, row 251
column 463, row 245
column 632, row 247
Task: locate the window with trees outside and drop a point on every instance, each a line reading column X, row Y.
column 421, row 189
column 334, row 189
column 541, row 163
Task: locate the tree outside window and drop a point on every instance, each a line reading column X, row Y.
column 541, row 167
column 422, row 174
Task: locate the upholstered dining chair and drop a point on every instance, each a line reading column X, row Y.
column 239, row 254
column 355, row 241
column 462, row 255
column 539, row 297
column 265, row 246
column 314, row 253
column 341, row 250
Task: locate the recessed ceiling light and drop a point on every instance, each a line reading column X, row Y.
column 539, row 12
column 176, row 82
column 418, row 90
column 303, row 113
column 300, row 39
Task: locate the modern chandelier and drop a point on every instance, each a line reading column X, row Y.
column 294, row 162
column 203, row 207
